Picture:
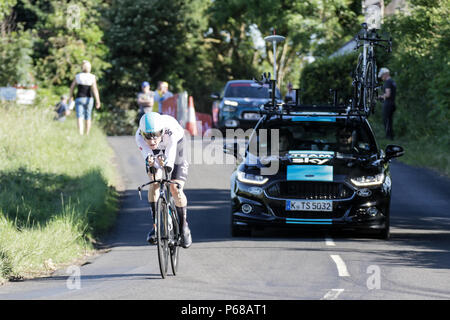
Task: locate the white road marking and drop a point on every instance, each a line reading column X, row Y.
column 329, row 242
column 333, row 294
column 342, row 268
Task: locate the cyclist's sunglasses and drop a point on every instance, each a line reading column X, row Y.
column 151, row 135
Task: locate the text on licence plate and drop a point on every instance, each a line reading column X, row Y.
column 309, row 205
column 251, row 116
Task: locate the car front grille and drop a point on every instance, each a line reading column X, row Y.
column 309, row 190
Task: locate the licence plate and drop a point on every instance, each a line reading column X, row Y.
column 309, row 205
column 251, row 116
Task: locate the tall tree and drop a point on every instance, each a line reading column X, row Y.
column 154, row 40
column 65, row 34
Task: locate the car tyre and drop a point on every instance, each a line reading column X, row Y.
column 240, row 232
column 385, row 234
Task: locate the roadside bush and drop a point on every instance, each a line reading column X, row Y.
column 324, row 74
column 15, row 58
column 118, row 122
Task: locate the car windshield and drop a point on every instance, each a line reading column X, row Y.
column 329, row 134
column 248, row 90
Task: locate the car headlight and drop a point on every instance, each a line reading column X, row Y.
column 368, row 181
column 251, row 178
column 230, row 103
column 229, row 106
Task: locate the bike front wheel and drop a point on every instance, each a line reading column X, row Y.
column 162, row 230
column 175, row 235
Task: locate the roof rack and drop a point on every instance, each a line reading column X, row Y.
column 313, row 109
column 274, row 108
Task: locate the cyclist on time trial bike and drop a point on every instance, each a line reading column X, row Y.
column 160, row 139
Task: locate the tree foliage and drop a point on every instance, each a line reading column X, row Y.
column 154, row 41
column 311, row 28
column 324, row 74
column 63, row 34
column 421, row 66
column 195, row 45
column 16, row 64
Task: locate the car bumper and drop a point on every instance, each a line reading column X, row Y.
column 354, row 213
column 237, row 119
column 235, row 123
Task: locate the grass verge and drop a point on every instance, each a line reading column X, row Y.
column 424, row 151
column 56, row 191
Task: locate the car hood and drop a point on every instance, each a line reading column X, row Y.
column 313, row 165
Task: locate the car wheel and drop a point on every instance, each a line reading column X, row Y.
column 385, row 234
column 237, row 231
column 240, row 232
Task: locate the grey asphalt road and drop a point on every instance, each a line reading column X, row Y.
column 414, row 264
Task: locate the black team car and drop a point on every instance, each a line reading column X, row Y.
column 330, row 173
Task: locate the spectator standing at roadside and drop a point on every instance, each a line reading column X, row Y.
column 389, row 88
column 290, row 95
column 145, row 99
column 86, row 84
column 161, row 94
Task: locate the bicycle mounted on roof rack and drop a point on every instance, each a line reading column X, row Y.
column 364, row 83
column 272, row 108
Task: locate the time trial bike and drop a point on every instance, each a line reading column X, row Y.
column 167, row 229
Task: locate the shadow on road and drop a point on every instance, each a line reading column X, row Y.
column 101, row 277
column 416, row 239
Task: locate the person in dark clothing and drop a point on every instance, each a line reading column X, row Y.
column 389, row 88
column 62, row 109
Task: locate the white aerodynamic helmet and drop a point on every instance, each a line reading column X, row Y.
column 151, row 125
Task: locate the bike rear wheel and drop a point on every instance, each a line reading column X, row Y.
column 369, row 88
column 359, row 84
column 162, row 231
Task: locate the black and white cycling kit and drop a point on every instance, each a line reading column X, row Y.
column 172, row 145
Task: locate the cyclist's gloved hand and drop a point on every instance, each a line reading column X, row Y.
column 162, row 160
column 149, row 161
column 168, row 169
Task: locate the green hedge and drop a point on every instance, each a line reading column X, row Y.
column 324, row 74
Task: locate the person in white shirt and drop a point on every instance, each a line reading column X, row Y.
column 87, row 87
column 162, row 135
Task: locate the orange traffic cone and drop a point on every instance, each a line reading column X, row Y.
column 191, row 124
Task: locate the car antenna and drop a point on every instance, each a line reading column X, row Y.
column 274, row 39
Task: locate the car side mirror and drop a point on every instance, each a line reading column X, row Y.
column 232, row 149
column 393, row 151
column 215, row 96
